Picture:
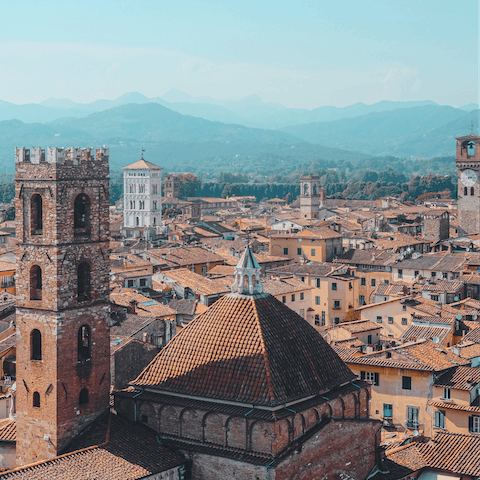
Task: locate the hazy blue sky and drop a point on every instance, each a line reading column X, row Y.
column 299, row 53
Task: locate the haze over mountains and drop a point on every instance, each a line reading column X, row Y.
column 203, row 134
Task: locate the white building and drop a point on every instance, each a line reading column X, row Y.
column 142, row 193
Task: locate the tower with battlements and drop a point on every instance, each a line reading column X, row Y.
column 62, row 227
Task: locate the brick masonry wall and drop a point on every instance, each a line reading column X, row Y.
column 58, row 249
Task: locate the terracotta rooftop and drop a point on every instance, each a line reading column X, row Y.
column 132, row 324
column 460, row 378
column 469, row 349
column 182, row 256
column 241, row 349
column 417, row 332
column 8, row 430
column 359, row 326
column 142, row 164
column 196, row 282
column 108, row 449
column 284, row 285
column 145, row 306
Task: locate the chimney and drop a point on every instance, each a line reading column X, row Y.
column 164, row 255
column 133, row 304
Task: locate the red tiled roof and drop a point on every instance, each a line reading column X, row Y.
column 249, row 349
column 8, row 430
column 459, row 378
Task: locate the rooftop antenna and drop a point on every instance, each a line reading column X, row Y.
column 143, row 150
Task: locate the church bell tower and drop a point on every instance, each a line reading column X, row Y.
column 63, row 343
column 468, row 164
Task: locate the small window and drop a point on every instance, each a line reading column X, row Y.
column 387, row 410
column 83, row 282
column 404, row 308
column 336, row 320
column 373, row 282
column 371, row 377
column 317, row 282
column 130, row 283
column 313, row 252
column 35, row 283
column 434, row 274
column 284, row 299
column 404, row 321
column 465, row 191
column 143, row 281
column 472, row 191
column 446, row 394
column 317, row 320
column 84, row 344
column 417, row 273
column 379, row 319
column 369, row 339
column 317, row 300
column 350, row 285
column 83, row 397
column 36, row 345
column 440, row 419
column 474, row 424
column 285, row 251
column 36, row 399
column 361, row 300
column 336, row 305
column 36, row 215
column 412, row 416
column 81, row 215
column 334, row 286
column 390, row 319
column 299, row 251
column 400, row 273
column 363, row 281
column 302, row 296
column 293, row 297
column 323, row 319
column 406, row 383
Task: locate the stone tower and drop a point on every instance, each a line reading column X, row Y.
column 63, row 344
column 309, row 196
column 468, row 165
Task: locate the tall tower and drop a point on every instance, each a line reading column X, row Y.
column 142, row 187
column 309, row 196
column 63, row 344
column 468, row 165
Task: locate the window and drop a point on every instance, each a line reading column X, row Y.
column 404, row 308
column 36, row 399
column 83, row 282
column 284, row 299
column 370, row 376
column 369, row 339
column 317, row 300
column 446, row 394
column 361, row 300
column 472, row 191
column 285, row 251
column 440, row 419
column 131, row 188
column 130, row 283
column 336, row 320
column 293, row 297
column 323, row 319
column 302, row 279
column 299, row 251
column 84, row 342
column 379, row 319
column 141, row 188
column 434, row 274
column 404, row 321
column 154, row 190
column 334, row 286
column 412, row 416
column 7, row 281
column 313, row 252
column 36, row 215
column 350, row 285
column 474, row 424
column 317, row 320
column 390, row 319
column 137, row 220
column 465, row 191
column 143, row 281
column 336, row 305
column 372, row 283
column 81, row 211
column 154, row 205
column 302, row 296
column 363, row 281
column 406, row 383
column 434, row 297
column 387, row 410
column 204, row 271
column 317, row 282
column 400, row 273
column 35, row 283
column 83, row 397
column 417, row 273
column 36, row 345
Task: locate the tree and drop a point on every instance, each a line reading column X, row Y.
column 189, row 184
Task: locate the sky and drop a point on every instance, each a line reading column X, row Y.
column 301, row 53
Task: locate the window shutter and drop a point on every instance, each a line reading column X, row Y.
column 362, row 375
column 470, row 424
column 376, row 382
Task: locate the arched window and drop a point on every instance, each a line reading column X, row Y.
column 36, row 345
column 36, row 215
column 83, row 397
column 137, row 221
column 81, row 213
column 35, row 283
column 84, row 281
column 84, row 343
column 36, row 399
column 465, row 191
column 472, row 191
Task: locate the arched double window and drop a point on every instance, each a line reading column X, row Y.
column 83, row 397
column 84, row 343
column 36, row 283
column 36, row 345
column 84, row 282
column 81, row 213
column 36, row 215
column 36, row 399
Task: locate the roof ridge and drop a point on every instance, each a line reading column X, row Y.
column 264, row 352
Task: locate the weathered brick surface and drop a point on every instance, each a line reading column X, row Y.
column 58, row 249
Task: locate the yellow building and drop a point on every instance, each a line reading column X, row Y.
column 7, row 277
column 402, row 381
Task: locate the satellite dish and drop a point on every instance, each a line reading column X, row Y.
column 458, row 317
column 415, row 433
column 413, row 279
column 474, row 317
column 436, row 340
column 376, row 229
column 112, row 277
column 456, row 299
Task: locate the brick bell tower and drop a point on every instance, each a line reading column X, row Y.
column 63, row 343
column 468, row 164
